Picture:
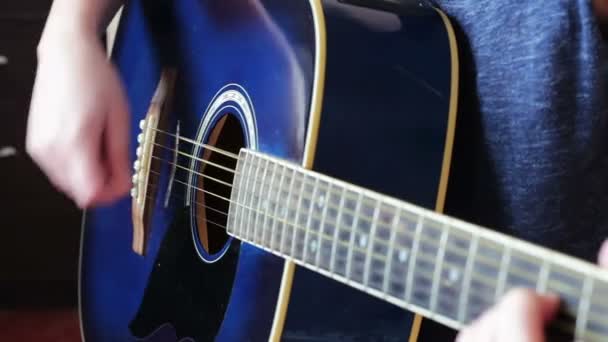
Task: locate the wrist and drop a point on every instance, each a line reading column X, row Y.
column 72, row 23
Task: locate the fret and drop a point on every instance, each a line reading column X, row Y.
column 315, row 238
column 335, row 243
column 541, row 285
column 523, row 271
column 345, row 232
column 370, row 247
column 425, row 260
column 266, row 195
column 380, row 255
column 245, row 221
column 412, row 261
column 583, row 308
column 438, row 267
column 274, row 206
column 280, row 212
column 351, row 243
column 482, row 286
column 259, row 207
column 308, row 227
column 502, row 273
column 401, row 256
column 239, row 209
column 598, row 311
column 391, row 248
column 254, row 199
column 326, row 231
column 451, row 278
column 568, row 285
column 362, row 230
column 467, row 279
column 300, row 230
column 235, row 208
column 290, row 214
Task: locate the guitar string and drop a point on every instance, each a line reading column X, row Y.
column 196, row 143
column 321, row 235
column 461, row 252
column 226, row 153
column 225, row 168
column 562, row 323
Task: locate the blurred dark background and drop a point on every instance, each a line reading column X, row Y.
column 39, row 227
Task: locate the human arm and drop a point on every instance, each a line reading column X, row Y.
column 78, row 122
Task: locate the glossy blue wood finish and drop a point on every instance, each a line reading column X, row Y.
column 211, row 45
column 383, row 126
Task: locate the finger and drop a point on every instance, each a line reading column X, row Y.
column 116, row 157
column 86, row 171
column 524, row 315
column 603, row 255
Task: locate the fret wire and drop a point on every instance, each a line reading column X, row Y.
column 261, row 203
column 372, row 237
column 322, row 224
column 238, row 209
column 458, row 251
column 514, row 269
column 503, row 272
column 391, row 246
column 309, row 219
column 438, row 267
column 314, row 232
column 352, row 236
column 337, row 230
column 297, row 216
column 287, row 206
column 248, row 195
column 411, row 263
column 466, row 282
column 541, row 285
column 526, row 256
column 454, row 226
column 564, row 325
column 268, row 202
column 583, row 308
column 251, row 229
column 276, row 206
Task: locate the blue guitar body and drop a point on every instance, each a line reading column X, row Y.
column 366, row 95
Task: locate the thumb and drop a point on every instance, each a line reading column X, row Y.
column 86, row 172
column 116, row 141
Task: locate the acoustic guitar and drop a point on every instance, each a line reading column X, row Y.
column 291, row 164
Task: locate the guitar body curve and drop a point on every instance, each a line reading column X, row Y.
column 267, row 64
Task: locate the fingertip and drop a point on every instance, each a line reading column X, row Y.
column 602, row 257
column 549, row 306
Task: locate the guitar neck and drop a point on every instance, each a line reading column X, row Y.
column 443, row 268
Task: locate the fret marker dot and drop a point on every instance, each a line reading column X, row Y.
column 313, row 246
column 264, row 205
column 453, row 276
column 363, row 240
column 403, row 254
column 321, row 201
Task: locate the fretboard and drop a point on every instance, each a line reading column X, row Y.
column 443, row 268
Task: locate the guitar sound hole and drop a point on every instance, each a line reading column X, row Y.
column 212, row 206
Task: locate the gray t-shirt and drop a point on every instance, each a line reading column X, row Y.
column 531, row 155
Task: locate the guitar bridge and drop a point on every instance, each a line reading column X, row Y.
column 143, row 192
